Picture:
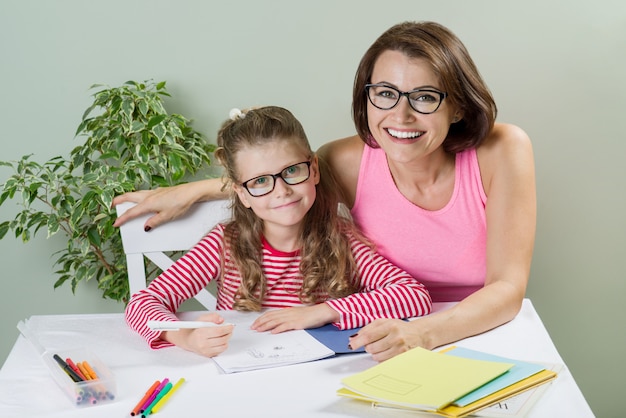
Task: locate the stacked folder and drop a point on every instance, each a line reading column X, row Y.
column 454, row 383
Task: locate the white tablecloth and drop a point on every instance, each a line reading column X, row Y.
column 302, row 391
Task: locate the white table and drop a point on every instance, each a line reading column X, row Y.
column 301, row 391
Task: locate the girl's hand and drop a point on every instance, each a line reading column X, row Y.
column 208, row 342
column 385, row 338
column 297, row 317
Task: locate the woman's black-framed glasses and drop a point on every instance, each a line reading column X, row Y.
column 294, row 174
column 423, row 101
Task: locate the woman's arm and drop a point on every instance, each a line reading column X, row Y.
column 507, row 169
column 168, row 203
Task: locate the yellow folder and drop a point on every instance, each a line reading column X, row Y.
column 530, row 382
column 422, row 379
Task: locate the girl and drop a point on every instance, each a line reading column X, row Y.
column 286, row 247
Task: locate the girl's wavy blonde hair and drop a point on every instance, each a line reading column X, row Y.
column 328, row 266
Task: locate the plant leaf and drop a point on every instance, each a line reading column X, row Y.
column 94, row 236
column 155, row 120
column 53, row 224
column 4, row 228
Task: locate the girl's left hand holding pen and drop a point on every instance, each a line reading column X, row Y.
column 206, row 341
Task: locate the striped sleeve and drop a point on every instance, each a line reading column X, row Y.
column 386, row 291
column 182, row 281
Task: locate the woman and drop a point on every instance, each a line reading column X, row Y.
column 444, row 192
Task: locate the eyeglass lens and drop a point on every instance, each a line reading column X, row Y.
column 421, row 100
column 294, row 174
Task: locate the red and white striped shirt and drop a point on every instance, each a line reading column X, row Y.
column 385, row 291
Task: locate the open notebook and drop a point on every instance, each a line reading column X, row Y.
column 251, row 350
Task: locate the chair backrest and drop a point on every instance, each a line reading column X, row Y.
column 179, row 234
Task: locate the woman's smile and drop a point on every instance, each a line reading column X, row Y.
column 404, row 134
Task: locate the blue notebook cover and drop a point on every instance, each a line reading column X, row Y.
column 520, row 370
column 334, row 338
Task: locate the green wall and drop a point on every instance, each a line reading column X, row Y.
column 556, row 69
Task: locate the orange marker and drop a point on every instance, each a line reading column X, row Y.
column 149, row 392
column 83, row 370
column 91, row 372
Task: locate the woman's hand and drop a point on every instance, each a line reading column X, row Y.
column 167, row 203
column 386, row 338
column 208, row 342
column 298, row 317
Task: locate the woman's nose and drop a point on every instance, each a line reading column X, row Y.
column 403, row 110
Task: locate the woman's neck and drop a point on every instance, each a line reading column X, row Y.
column 427, row 182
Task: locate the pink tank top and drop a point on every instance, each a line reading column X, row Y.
column 445, row 249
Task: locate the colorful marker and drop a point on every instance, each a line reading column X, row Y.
column 67, row 369
column 156, row 400
column 137, row 409
column 75, row 368
column 83, row 370
column 154, row 394
column 164, row 399
column 91, row 371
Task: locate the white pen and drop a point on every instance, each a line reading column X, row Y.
column 177, row 325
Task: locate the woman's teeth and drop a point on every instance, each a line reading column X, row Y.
column 403, row 134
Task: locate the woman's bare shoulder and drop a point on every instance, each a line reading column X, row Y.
column 504, row 136
column 343, row 156
column 506, row 147
column 341, row 148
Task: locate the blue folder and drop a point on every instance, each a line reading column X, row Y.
column 519, row 371
column 334, row 338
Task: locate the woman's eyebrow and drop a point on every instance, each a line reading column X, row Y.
column 426, row 86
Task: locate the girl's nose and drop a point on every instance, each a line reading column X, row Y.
column 281, row 188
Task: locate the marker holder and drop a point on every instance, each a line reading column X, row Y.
column 86, row 393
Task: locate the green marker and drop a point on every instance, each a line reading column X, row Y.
column 161, row 394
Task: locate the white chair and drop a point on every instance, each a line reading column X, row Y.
column 177, row 235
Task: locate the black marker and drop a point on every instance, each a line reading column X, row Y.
column 67, row 369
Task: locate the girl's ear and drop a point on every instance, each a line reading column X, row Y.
column 242, row 195
column 315, row 169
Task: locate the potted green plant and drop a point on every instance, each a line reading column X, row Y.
column 131, row 143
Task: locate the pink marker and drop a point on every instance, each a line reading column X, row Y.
column 154, row 394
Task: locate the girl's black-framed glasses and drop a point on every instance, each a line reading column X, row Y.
column 292, row 175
